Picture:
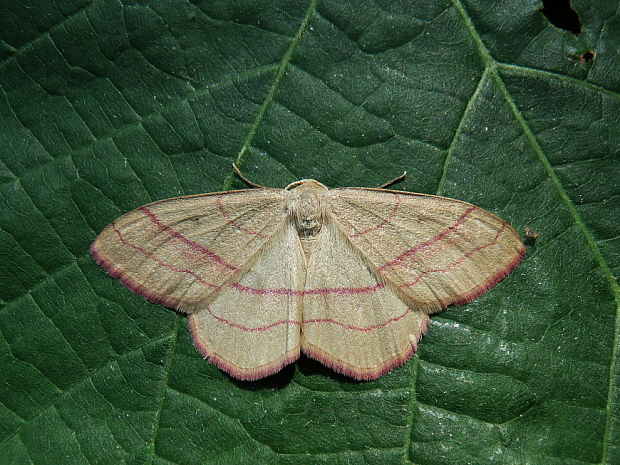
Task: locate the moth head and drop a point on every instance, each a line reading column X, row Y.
column 306, row 185
column 306, row 207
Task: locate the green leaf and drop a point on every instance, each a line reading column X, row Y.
column 106, row 105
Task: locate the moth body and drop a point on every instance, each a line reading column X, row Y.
column 307, row 211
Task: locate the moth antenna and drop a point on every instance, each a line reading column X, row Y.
column 393, row 181
column 246, row 180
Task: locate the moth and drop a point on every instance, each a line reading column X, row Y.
column 347, row 276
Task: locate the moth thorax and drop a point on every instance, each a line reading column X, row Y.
column 307, row 214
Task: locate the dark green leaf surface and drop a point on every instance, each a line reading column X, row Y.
column 106, row 105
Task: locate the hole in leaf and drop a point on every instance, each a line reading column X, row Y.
column 587, row 57
column 561, row 14
column 584, row 57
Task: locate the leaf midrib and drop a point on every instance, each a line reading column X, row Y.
column 491, row 66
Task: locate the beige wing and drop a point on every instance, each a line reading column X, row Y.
column 179, row 252
column 434, row 250
column 352, row 321
column 251, row 328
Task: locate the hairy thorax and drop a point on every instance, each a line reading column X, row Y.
column 307, row 211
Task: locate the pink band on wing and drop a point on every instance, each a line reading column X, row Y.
column 318, row 291
column 250, row 329
column 457, row 262
column 235, row 223
column 382, row 223
column 408, row 253
column 363, row 329
column 254, row 329
column 365, row 375
column 160, row 262
column 247, row 374
column 193, row 245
